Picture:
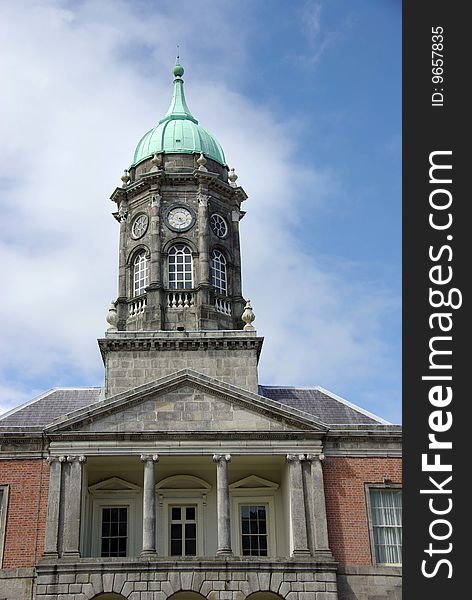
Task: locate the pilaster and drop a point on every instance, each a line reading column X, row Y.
column 72, row 506
column 298, row 523
column 51, row 542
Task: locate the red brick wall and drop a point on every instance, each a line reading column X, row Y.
column 26, row 511
column 344, row 480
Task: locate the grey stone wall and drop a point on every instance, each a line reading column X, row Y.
column 214, row 580
column 228, row 356
column 16, row 584
column 185, row 409
column 370, row 583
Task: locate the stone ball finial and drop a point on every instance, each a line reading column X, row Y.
column 125, row 178
column 232, row 178
column 112, row 318
column 178, row 70
column 248, row 317
column 201, row 162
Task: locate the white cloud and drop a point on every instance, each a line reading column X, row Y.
column 76, row 100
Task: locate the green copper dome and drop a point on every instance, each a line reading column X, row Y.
column 178, row 132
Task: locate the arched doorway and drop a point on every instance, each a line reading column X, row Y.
column 109, row 596
column 186, row 596
column 264, row 596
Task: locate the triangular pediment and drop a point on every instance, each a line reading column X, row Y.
column 186, row 401
column 253, row 483
column 113, row 485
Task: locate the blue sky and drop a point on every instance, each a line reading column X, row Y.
column 305, row 99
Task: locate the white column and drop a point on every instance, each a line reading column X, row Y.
column 149, row 505
column 299, row 539
column 72, row 506
column 51, row 549
column 223, row 514
column 320, row 523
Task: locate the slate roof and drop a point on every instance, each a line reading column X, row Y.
column 42, row 410
column 324, row 405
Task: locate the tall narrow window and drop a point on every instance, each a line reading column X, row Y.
column 114, row 538
column 254, row 530
column 218, row 272
column 180, row 267
column 183, row 530
column 386, row 515
column 140, row 273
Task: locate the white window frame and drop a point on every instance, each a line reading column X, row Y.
column 111, row 492
column 187, row 267
column 243, row 498
column 3, row 518
column 182, row 505
column 140, row 273
column 386, row 487
column 100, row 526
column 179, row 490
column 101, row 503
column 188, row 499
column 219, row 272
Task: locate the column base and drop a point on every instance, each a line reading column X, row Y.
column 302, row 552
column 148, row 554
column 324, row 555
column 50, row 555
column 224, row 552
column 70, row 554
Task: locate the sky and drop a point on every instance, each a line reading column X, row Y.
column 304, row 97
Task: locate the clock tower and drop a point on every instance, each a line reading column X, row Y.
column 178, row 210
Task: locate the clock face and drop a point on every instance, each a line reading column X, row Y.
column 218, row 225
column 179, row 218
column 140, row 226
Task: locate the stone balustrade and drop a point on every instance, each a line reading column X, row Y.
column 137, row 306
column 180, row 300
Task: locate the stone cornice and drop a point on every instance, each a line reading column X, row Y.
column 170, row 340
column 162, row 178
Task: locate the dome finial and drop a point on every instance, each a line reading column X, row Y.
column 178, row 69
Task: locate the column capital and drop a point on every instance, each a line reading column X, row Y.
column 149, row 457
column 79, row 458
column 315, row 457
column 295, row 457
column 222, row 458
column 53, row 459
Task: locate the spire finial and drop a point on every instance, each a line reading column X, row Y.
column 178, row 69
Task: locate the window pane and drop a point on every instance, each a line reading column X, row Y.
column 180, row 267
column 176, row 547
column 254, row 530
column 114, row 539
column 176, row 513
column 191, row 547
column 176, row 531
column 190, row 513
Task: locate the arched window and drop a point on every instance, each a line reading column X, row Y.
column 180, row 268
column 140, row 273
column 218, row 272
